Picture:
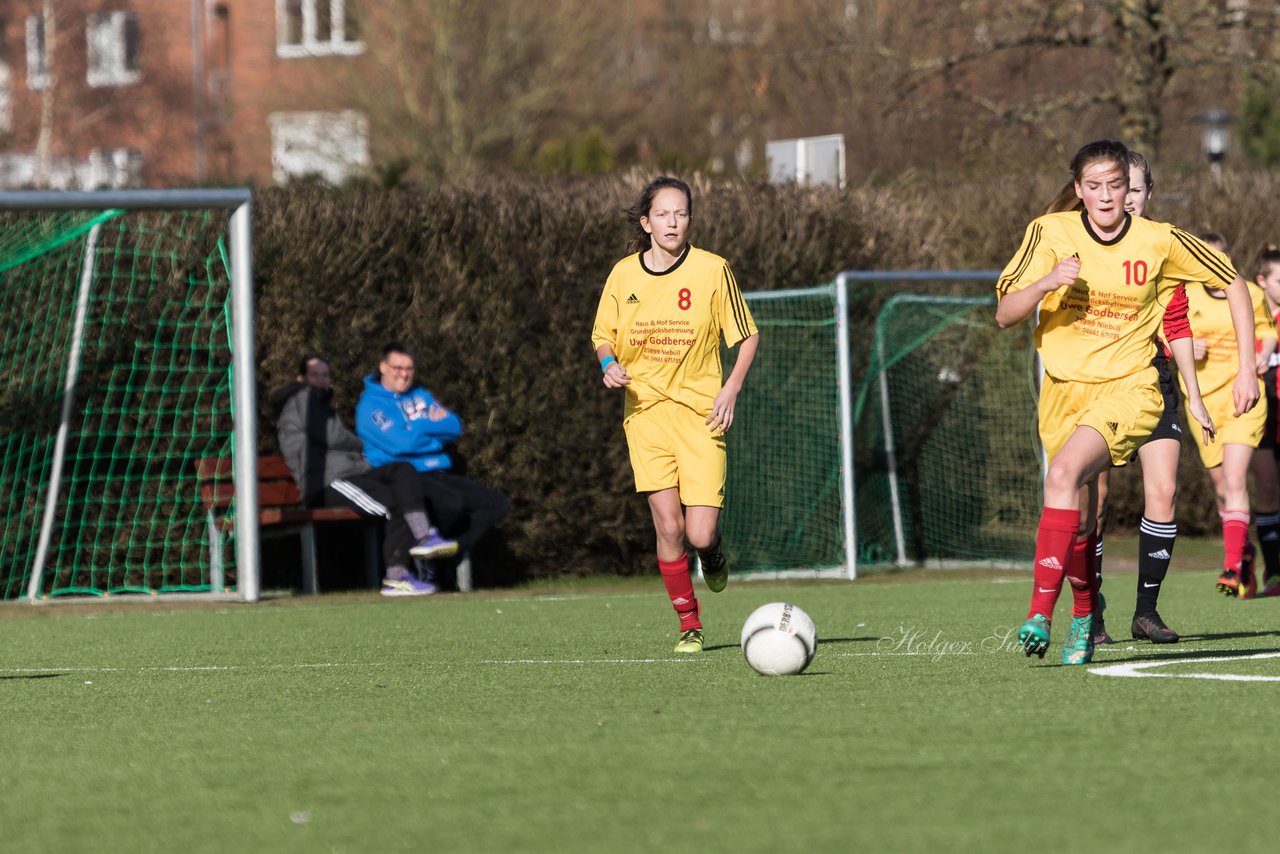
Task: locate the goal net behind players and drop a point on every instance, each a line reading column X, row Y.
column 946, row 458
column 115, row 332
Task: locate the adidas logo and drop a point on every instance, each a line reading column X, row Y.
column 1051, row 562
column 1113, row 427
column 633, row 300
column 1163, row 554
column 1177, row 428
column 1271, row 535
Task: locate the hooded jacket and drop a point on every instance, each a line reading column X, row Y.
column 410, row 427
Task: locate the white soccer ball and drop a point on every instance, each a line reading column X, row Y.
column 779, row 639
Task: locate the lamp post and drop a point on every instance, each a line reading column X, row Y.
column 1215, row 138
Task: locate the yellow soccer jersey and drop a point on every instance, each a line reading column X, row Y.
column 665, row 327
column 1210, row 318
column 1103, row 327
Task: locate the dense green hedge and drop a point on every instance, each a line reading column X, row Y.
column 495, row 286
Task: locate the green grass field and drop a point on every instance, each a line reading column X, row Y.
column 557, row 719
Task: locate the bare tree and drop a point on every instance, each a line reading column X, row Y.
column 455, row 86
column 1120, row 55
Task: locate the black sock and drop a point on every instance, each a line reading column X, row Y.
column 1097, row 559
column 1268, row 525
column 1155, row 550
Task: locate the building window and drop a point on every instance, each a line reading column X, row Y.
column 331, row 146
column 6, row 99
column 317, row 28
column 112, row 49
column 114, row 168
column 6, row 93
column 38, row 61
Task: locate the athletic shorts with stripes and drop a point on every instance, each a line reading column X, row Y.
column 1170, row 426
column 1269, row 440
column 672, row 446
column 1123, row 412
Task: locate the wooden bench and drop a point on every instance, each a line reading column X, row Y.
column 280, row 513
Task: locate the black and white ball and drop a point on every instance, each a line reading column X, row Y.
column 779, row 639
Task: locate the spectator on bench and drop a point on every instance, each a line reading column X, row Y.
column 400, row 421
column 326, row 460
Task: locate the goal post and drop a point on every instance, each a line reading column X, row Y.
column 789, row 484
column 126, row 355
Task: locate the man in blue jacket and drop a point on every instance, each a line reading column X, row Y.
column 330, row 470
column 400, row 421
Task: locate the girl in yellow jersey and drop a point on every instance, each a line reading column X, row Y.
column 1266, row 473
column 1159, row 455
column 657, row 335
column 1101, row 280
column 1239, row 434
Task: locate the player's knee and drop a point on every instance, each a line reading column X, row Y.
column 669, row 530
column 701, row 539
column 1062, row 478
column 1160, row 503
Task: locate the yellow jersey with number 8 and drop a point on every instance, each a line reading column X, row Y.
column 665, row 328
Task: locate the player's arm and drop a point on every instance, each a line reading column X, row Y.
column 721, row 417
column 1265, row 328
column 1016, row 306
column 615, row 375
column 604, row 335
column 1190, row 259
column 1185, row 359
column 1244, row 392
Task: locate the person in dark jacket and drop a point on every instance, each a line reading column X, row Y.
column 328, row 464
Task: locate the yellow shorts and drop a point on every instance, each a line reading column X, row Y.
column 1123, row 412
column 1245, row 430
column 671, row 445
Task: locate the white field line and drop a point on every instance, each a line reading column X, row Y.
column 945, row 653
column 195, row 668
column 517, row 661
column 1140, row 669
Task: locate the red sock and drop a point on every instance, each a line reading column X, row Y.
column 675, row 574
column 1054, row 540
column 1082, row 574
column 1235, row 533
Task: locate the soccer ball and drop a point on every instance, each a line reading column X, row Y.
column 779, row 639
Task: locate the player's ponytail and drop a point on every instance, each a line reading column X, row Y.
column 640, row 241
column 1066, row 200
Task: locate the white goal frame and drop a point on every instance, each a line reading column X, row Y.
column 244, row 441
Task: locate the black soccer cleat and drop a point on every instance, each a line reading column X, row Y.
column 1152, row 628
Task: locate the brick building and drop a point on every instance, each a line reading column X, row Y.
column 178, row 92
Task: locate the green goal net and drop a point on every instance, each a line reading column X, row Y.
column 115, row 379
column 783, row 498
column 949, row 459
column 945, row 458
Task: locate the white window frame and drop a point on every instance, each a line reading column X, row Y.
column 6, row 98
column 336, row 45
column 332, row 145
column 107, row 49
column 39, row 53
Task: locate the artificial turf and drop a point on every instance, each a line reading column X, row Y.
column 558, row 719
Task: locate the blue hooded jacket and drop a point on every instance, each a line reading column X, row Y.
column 409, row 427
